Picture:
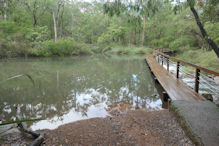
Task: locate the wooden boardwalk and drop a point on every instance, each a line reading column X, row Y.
column 173, row 86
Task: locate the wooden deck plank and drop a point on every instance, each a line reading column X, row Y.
column 173, row 86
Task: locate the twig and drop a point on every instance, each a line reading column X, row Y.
column 39, row 137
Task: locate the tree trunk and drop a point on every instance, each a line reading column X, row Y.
column 34, row 20
column 204, row 33
column 5, row 5
column 135, row 36
column 61, row 23
column 143, row 31
column 55, row 25
column 72, row 25
column 34, row 13
column 5, row 14
column 131, row 37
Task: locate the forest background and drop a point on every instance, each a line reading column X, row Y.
column 46, row 28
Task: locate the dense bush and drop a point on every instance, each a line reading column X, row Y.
column 182, row 43
column 201, row 57
column 37, row 35
column 12, row 40
column 84, row 28
column 130, row 50
column 20, row 40
column 66, row 47
column 213, row 31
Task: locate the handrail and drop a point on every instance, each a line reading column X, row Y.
column 197, row 68
column 190, row 64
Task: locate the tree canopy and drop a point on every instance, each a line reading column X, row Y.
column 32, row 27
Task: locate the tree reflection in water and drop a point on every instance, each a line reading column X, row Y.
column 74, row 88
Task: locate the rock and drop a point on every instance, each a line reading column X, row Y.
column 207, row 96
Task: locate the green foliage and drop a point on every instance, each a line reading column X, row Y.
column 213, row 31
column 96, row 48
column 105, row 38
column 91, row 31
column 182, row 42
column 12, row 40
column 66, row 47
column 204, row 58
column 37, row 35
column 210, row 11
column 114, row 33
column 130, row 50
column 114, row 8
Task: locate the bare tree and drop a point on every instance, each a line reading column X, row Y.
column 202, row 29
column 143, row 30
column 55, row 25
column 56, row 15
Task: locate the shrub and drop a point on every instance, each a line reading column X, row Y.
column 96, row 49
column 66, row 47
column 181, row 43
column 123, row 52
column 204, row 58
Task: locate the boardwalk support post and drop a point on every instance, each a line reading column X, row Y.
column 197, row 74
column 167, row 64
column 177, row 70
column 162, row 60
column 158, row 56
column 165, row 96
column 156, row 80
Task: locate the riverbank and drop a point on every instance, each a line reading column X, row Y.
column 69, row 47
column 134, row 127
column 200, row 57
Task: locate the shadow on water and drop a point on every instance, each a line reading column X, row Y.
column 75, row 88
column 159, row 88
column 160, row 91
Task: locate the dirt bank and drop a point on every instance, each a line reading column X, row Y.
column 134, row 127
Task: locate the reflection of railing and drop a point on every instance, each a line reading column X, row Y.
column 161, row 57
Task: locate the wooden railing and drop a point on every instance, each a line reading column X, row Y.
column 198, row 69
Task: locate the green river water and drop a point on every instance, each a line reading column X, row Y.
column 64, row 90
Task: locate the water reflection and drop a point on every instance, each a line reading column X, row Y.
column 70, row 89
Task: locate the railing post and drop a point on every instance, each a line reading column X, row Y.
column 177, row 70
column 167, row 64
column 162, row 60
column 197, row 74
column 158, row 59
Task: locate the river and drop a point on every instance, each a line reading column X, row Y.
column 63, row 90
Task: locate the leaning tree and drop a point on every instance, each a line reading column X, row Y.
column 191, row 4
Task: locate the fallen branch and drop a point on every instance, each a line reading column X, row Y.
column 39, row 137
column 19, row 121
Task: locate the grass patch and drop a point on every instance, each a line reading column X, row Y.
column 194, row 138
column 203, row 58
column 66, row 47
column 130, row 50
